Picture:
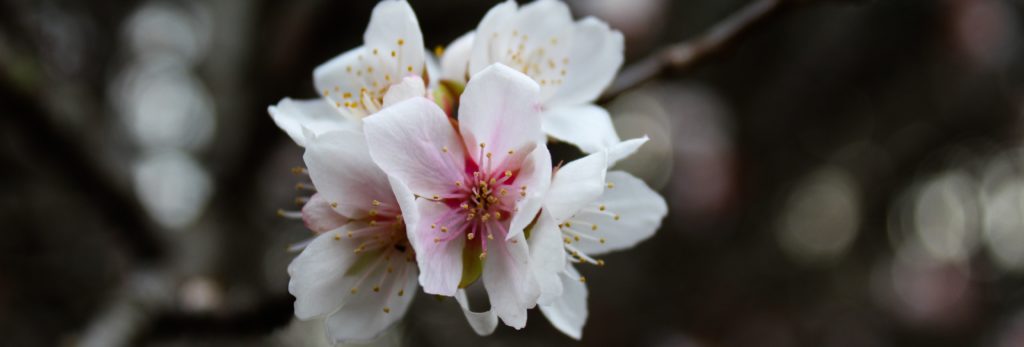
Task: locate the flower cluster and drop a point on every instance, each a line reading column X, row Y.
column 437, row 174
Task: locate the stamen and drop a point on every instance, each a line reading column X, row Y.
column 289, row 214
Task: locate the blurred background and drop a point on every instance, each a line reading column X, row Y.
column 847, row 173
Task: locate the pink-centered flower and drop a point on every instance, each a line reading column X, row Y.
column 389, row 67
column 359, row 272
column 474, row 186
column 573, row 62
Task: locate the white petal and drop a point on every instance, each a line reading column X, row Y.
column 440, row 260
column 455, row 61
column 318, row 279
column 316, row 115
column 500, row 108
column 594, row 59
column 342, row 80
column 490, row 45
column 506, row 276
column 639, row 209
column 535, row 174
column 588, row 127
column 393, row 27
column 341, row 169
column 410, row 87
column 547, row 257
column 368, row 313
column 483, row 323
column 414, row 142
column 319, row 217
column 575, row 185
column 568, row 313
column 545, row 30
column 624, row 149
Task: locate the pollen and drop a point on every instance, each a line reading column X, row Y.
column 374, row 51
column 433, row 226
column 602, row 240
column 437, row 240
column 334, row 204
column 610, row 185
column 510, row 152
column 444, row 229
column 583, row 279
column 387, row 309
column 337, row 237
column 347, row 95
column 439, row 50
column 393, row 54
column 444, row 149
column 601, row 207
column 401, row 42
column 508, row 173
column 408, row 68
column 616, row 217
column 436, row 197
column 470, row 236
column 458, row 184
column 593, row 227
column 483, row 145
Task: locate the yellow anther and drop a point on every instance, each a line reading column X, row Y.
column 350, row 234
column 387, row 309
column 593, row 227
column 601, row 207
column 433, row 226
column 401, row 292
column 503, row 191
column 338, row 104
column 348, row 68
column 444, row 229
column 373, row 222
column 439, row 50
column 437, row 240
column 436, row 197
column 510, row 152
column 583, row 279
column 482, row 145
column 376, row 289
column 444, row 149
column 611, row 185
column 346, row 95
column 458, row 183
column 334, row 204
column 373, row 213
column 354, row 290
column 401, row 42
column 601, row 240
column 508, row 173
column 490, row 236
column 483, row 255
column 616, row 217
column 327, row 92
column 576, row 238
column 375, row 203
column 568, row 225
column 374, row 51
column 568, row 240
column 600, row 262
column 470, row 236
column 497, row 215
column 393, row 54
column 488, row 155
column 408, row 68
column 337, row 237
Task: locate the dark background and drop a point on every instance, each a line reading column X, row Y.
column 847, row 173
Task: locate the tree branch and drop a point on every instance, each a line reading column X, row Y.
column 686, row 54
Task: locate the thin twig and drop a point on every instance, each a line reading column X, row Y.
column 688, row 53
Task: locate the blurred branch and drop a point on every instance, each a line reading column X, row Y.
column 686, row 54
